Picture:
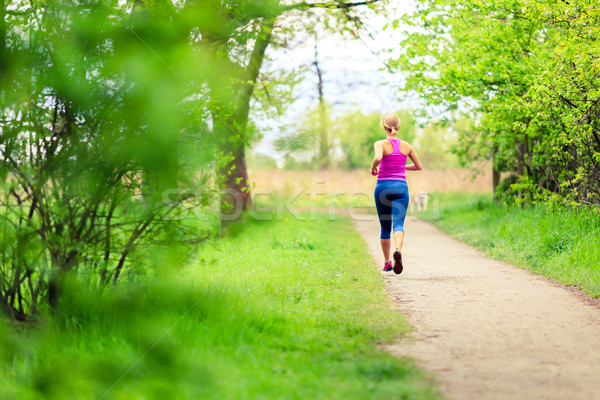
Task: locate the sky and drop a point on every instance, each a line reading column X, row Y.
column 354, row 77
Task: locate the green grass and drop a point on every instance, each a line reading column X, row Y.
column 310, row 201
column 559, row 243
column 280, row 309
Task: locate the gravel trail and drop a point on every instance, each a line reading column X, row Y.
column 486, row 329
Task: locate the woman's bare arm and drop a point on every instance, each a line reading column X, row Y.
column 416, row 166
column 377, row 159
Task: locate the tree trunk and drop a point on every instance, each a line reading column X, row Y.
column 495, row 174
column 232, row 130
column 323, row 120
column 233, row 175
column 521, row 157
column 495, row 181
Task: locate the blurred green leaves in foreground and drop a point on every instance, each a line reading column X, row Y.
column 121, row 120
column 104, row 141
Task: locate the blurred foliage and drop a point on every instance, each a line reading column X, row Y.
column 526, row 74
column 302, row 143
column 434, row 144
column 292, row 163
column 261, row 161
column 114, row 118
column 357, row 133
column 353, row 136
column 105, row 146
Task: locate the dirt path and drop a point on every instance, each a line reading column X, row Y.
column 485, row 329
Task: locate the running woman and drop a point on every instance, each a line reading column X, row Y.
column 391, row 191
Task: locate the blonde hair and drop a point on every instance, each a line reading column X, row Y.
column 391, row 122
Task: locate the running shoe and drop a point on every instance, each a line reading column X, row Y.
column 398, row 262
column 388, row 266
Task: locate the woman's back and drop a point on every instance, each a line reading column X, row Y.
column 393, row 164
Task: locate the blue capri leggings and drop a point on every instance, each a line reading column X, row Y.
column 391, row 200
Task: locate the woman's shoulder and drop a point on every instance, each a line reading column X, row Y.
column 405, row 145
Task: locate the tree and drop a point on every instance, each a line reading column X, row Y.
column 113, row 114
column 564, row 101
column 240, row 50
column 324, row 137
column 100, row 147
column 515, row 68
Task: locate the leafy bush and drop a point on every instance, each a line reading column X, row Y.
column 100, row 146
column 526, row 74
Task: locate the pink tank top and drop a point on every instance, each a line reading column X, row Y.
column 393, row 166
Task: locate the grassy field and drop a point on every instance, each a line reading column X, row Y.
column 349, row 191
column 558, row 243
column 279, row 309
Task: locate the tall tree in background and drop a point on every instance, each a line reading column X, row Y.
column 255, row 27
column 324, row 139
column 231, row 90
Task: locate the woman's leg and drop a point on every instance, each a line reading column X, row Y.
column 385, row 247
column 384, row 212
column 399, row 208
column 399, row 240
